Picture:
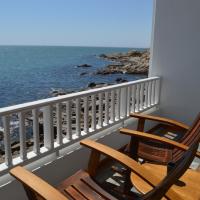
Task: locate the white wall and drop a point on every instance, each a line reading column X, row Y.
column 176, row 57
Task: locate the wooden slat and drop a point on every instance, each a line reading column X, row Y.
column 161, row 119
column 86, row 191
column 36, row 140
column 69, row 120
column 149, row 136
column 7, row 143
column 59, row 123
column 36, row 184
column 22, row 136
column 87, row 180
column 74, row 194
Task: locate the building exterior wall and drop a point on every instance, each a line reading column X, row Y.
column 176, row 57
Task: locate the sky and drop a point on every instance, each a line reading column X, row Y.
column 108, row 23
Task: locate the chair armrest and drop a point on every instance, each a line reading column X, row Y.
column 125, row 160
column 161, row 119
column 148, row 136
column 36, row 184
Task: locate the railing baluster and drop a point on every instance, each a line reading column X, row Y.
column 93, row 112
column 106, row 108
column 141, row 96
column 112, row 112
column 36, row 146
column 100, row 122
column 7, row 143
column 48, row 127
column 157, row 91
column 59, row 123
column 69, row 120
column 146, row 95
column 128, row 100
column 78, row 124
column 123, row 105
column 137, row 98
column 118, row 103
column 149, row 93
column 133, row 98
column 22, row 136
column 153, row 93
column 86, row 127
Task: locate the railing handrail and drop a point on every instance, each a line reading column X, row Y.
column 52, row 100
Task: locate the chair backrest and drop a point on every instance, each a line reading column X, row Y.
column 188, row 139
column 180, row 166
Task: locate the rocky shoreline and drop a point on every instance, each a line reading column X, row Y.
column 132, row 62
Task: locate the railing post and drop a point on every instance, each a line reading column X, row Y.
column 106, row 108
column 7, row 143
column 142, row 96
column 133, row 98
column 93, row 112
column 137, row 98
column 149, row 93
column 48, row 127
column 112, row 113
column 78, row 125
column 100, row 122
column 22, row 135
column 59, row 123
column 118, row 103
column 123, row 102
column 69, row 120
column 157, row 91
column 86, row 127
column 36, row 146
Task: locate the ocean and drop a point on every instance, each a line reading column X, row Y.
column 29, row 73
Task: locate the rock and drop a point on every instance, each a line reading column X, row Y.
column 84, row 65
column 102, row 56
column 132, row 62
column 121, row 80
column 134, row 53
column 91, row 85
column 83, row 73
column 1, row 135
column 97, row 85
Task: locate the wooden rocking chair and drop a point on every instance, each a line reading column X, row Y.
column 82, row 185
column 157, row 148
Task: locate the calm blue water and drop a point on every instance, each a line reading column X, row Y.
column 28, row 73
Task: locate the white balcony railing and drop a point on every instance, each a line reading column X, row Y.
column 35, row 129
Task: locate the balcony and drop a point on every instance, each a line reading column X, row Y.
column 47, row 126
